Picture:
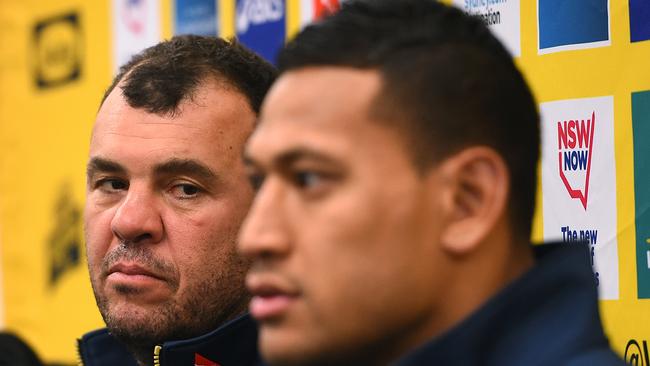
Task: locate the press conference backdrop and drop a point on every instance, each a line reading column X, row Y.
column 587, row 62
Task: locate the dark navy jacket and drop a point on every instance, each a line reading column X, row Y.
column 547, row 317
column 232, row 344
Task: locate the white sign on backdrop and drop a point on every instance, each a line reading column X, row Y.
column 136, row 26
column 502, row 16
column 313, row 10
column 579, row 181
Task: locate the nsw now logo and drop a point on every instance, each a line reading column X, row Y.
column 575, row 138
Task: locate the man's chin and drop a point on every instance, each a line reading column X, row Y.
column 138, row 323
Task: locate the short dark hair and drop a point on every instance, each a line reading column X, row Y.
column 159, row 78
column 444, row 75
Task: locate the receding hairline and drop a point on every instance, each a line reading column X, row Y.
column 220, row 82
column 207, row 77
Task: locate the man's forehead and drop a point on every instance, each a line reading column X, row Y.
column 325, row 132
column 125, row 125
column 214, row 109
column 319, row 97
column 312, row 104
column 322, row 86
column 116, row 114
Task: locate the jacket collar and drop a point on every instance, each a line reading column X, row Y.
column 232, row 344
column 545, row 317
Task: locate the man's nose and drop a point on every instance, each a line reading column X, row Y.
column 137, row 218
column 264, row 233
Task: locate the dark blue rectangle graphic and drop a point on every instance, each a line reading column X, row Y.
column 639, row 20
column 196, row 17
column 260, row 25
column 568, row 22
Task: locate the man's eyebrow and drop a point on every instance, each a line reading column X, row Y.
column 186, row 167
column 290, row 156
column 98, row 164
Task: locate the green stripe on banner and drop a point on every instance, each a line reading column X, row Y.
column 641, row 130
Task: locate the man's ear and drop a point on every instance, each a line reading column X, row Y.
column 474, row 197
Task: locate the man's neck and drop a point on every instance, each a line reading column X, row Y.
column 499, row 261
column 474, row 281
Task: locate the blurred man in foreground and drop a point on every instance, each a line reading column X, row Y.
column 166, row 194
column 395, row 162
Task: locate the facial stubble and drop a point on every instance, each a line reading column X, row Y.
column 202, row 307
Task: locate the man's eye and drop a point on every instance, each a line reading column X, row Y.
column 256, row 181
column 307, row 179
column 112, row 185
column 185, row 190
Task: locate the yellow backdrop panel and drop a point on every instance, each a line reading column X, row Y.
column 54, row 66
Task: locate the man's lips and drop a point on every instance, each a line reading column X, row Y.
column 132, row 271
column 271, row 297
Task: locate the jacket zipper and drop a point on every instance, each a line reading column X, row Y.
column 156, row 355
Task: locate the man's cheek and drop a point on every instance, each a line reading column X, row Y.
column 95, row 256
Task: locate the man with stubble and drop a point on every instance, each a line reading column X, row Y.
column 166, row 194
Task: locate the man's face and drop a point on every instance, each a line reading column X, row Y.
column 165, row 199
column 343, row 230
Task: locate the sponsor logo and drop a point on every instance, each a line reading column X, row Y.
column 64, row 241
column 575, row 139
column 577, row 165
column 261, row 26
column 558, row 29
column 636, row 354
column 135, row 26
column 502, row 16
column 484, row 9
column 202, row 361
column 256, row 12
column 323, row 8
column 58, row 48
column 134, row 15
column 196, row 17
column 641, row 133
column 314, row 10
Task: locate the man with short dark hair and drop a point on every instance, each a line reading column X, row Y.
column 166, row 194
column 395, row 161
